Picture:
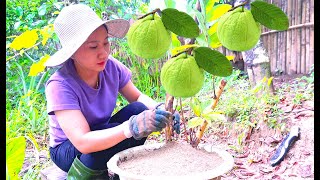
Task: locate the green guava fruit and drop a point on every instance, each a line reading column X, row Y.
column 181, row 76
column 149, row 38
column 238, row 31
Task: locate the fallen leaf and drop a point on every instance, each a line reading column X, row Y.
column 243, row 173
column 305, row 170
column 281, row 169
column 308, row 105
column 277, row 177
column 306, row 113
column 243, row 155
column 238, row 162
column 266, row 169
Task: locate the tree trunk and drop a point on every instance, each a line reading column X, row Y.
column 256, row 60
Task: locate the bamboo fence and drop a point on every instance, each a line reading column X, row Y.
column 291, row 51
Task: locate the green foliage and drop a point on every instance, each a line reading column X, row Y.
column 269, row 15
column 15, row 153
column 213, row 61
column 179, row 23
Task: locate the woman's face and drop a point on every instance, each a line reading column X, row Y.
column 92, row 54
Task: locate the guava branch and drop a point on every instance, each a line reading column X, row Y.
column 242, row 4
column 218, row 93
column 152, row 12
column 169, row 107
column 183, row 121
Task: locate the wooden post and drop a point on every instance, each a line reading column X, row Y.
column 307, row 34
column 288, row 52
column 298, row 36
column 303, row 39
column 293, row 66
column 312, row 33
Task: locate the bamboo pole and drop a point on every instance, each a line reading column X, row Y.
column 293, row 63
column 288, row 62
column 279, row 45
column 303, row 39
column 274, row 51
column 284, row 36
column 298, row 35
column 312, row 33
column 307, row 35
column 310, row 24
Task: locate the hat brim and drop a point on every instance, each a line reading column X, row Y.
column 117, row 28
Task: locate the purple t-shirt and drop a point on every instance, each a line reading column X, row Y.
column 65, row 90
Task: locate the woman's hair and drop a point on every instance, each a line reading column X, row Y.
column 105, row 26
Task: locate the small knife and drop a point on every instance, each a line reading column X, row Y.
column 285, row 145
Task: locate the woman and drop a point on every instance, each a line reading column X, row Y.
column 81, row 97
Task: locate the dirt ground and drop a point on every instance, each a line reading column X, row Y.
column 253, row 163
column 260, row 147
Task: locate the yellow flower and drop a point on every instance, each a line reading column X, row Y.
column 38, row 66
column 25, row 40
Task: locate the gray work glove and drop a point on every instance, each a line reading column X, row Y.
column 148, row 121
column 175, row 118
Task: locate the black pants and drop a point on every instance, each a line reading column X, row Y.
column 64, row 154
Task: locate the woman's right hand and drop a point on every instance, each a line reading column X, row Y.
column 148, row 121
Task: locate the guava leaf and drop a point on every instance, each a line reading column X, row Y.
column 213, row 61
column 15, row 153
column 217, row 11
column 196, row 107
column 213, row 29
column 210, row 4
column 42, row 10
column 175, row 40
column 194, row 122
column 182, row 48
column 170, row 3
column 179, row 23
column 214, row 41
column 269, row 15
column 202, row 40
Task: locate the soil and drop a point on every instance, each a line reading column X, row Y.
column 173, row 159
column 259, row 145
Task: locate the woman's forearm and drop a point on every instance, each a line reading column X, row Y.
column 99, row 140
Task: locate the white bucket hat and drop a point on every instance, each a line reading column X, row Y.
column 74, row 25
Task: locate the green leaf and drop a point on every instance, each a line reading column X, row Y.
column 175, row 40
column 170, row 3
column 17, row 25
column 179, row 49
column 214, row 41
column 201, row 21
column 19, row 11
column 194, row 122
column 15, row 153
column 269, row 15
column 210, row 4
column 214, row 116
column 270, row 81
column 196, row 107
column 217, row 11
column 201, row 40
column 213, row 61
column 42, row 10
column 180, row 23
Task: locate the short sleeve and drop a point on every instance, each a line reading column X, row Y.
column 60, row 97
column 124, row 73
